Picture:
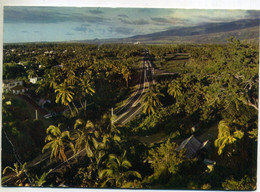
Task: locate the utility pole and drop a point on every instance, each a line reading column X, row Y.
column 36, row 114
column 112, row 116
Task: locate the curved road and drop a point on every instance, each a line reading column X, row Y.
column 134, row 107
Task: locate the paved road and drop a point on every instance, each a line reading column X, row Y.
column 133, row 106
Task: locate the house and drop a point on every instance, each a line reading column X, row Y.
column 14, row 86
column 11, row 83
column 18, row 89
column 34, row 80
column 194, row 146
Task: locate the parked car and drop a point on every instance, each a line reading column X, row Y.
column 49, row 115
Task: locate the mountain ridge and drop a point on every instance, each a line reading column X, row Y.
column 246, row 29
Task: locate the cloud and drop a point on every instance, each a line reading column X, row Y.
column 83, row 28
column 253, row 14
column 44, row 15
column 96, row 11
column 145, row 10
column 135, row 22
column 85, row 25
column 160, row 20
column 121, row 30
column 94, row 19
column 32, row 15
column 122, row 15
column 24, row 31
column 69, row 34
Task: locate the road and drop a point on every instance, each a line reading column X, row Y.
column 134, row 106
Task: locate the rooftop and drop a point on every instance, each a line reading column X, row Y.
column 191, row 144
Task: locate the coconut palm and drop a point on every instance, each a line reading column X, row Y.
column 85, row 137
column 86, row 88
column 175, row 89
column 126, row 73
column 225, row 135
column 39, row 181
column 57, row 142
column 117, row 172
column 18, row 170
column 64, row 94
column 150, row 100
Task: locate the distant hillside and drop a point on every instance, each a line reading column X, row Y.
column 207, row 33
column 247, row 29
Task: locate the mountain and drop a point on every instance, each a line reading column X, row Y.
column 247, row 29
column 207, row 33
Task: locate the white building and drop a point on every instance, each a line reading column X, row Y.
column 34, row 80
column 13, row 86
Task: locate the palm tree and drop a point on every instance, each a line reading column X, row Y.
column 57, row 142
column 32, row 73
column 86, row 88
column 39, row 181
column 84, row 137
column 64, row 94
column 53, row 77
column 175, row 89
column 225, row 136
column 151, row 101
column 126, row 74
column 18, row 170
column 117, row 171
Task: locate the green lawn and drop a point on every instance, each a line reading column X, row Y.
column 173, row 63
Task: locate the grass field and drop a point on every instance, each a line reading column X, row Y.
column 175, row 63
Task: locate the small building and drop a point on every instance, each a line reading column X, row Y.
column 11, row 83
column 191, row 144
column 18, row 89
column 34, row 80
column 194, row 146
column 14, row 86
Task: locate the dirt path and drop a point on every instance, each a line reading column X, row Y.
column 210, row 134
column 154, row 138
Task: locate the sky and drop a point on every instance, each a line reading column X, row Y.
column 35, row 24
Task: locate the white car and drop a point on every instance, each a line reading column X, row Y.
column 49, row 115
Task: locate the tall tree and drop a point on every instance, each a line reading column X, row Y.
column 64, row 94
column 57, row 141
column 166, row 158
column 226, row 135
column 175, row 89
column 151, row 101
column 117, row 172
column 85, row 137
column 19, row 173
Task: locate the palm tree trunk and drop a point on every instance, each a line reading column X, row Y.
column 75, row 106
column 85, row 105
column 70, row 108
column 81, row 103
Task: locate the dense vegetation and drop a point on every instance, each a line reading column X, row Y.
column 213, row 85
